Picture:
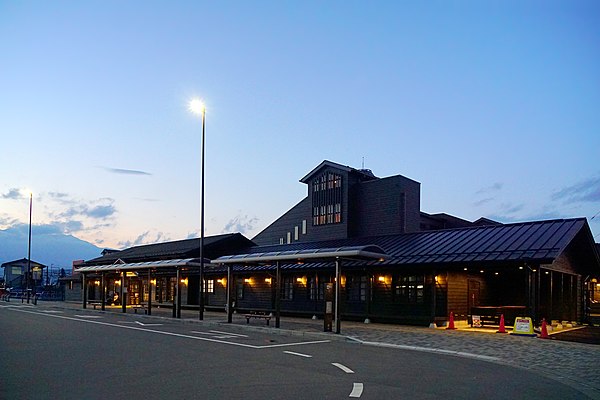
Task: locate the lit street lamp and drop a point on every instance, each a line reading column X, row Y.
column 197, row 107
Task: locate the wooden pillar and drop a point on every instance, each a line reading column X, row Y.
column 277, row 295
column 178, row 304
column 103, row 291
column 337, row 317
column 149, row 291
column 229, row 306
column 123, row 293
column 84, row 294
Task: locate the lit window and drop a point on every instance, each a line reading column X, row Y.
column 296, row 232
column 327, row 199
column 210, row 286
column 304, row 227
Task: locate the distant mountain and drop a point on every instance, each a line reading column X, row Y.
column 49, row 246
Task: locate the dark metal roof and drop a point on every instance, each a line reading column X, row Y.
column 180, row 249
column 537, row 241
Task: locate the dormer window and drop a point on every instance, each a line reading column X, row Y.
column 327, row 199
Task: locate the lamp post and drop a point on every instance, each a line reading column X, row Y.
column 28, row 277
column 198, row 107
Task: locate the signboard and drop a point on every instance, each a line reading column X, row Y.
column 523, row 326
column 476, row 321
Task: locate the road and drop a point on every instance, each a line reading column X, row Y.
column 76, row 354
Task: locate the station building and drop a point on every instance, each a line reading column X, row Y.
column 395, row 263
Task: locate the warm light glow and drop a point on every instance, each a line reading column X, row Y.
column 385, row 279
column 481, row 271
column 117, row 282
column 381, row 279
column 465, row 269
column 97, row 283
column 301, row 280
column 496, row 273
column 184, row 281
column 268, row 280
column 131, row 274
column 520, row 267
column 196, row 106
column 248, row 280
column 153, row 281
column 222, row 281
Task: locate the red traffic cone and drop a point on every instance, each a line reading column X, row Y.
column 501, row 329
column 544, row 334
column 451, row 322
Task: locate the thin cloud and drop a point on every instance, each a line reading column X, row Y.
column 145, row 238
column 241, row 224
column 13, row 194
column 101, row 211
column 123, row 171
column 585, row 191
column 489, row 189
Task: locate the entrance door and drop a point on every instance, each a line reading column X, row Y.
column 474, row 291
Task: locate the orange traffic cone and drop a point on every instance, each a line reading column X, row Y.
column 451, row 322
column 544, row 334
column 501, row 329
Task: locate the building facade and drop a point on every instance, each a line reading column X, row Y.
column 434, row 264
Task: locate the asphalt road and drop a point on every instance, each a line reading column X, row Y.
column 79, row 354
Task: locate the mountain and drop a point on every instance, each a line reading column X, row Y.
column 49, row 246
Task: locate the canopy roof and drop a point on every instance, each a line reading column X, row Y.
column 161, row 264
column 368, row 252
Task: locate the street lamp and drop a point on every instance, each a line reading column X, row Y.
column 28, row 277
column 197, row 107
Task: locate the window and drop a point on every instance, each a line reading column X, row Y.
column 210, row 286
column 304, row 227
column 356, row 288
column 316, row 291
column 289, row 237
column 240, row 288
column 327, row 199
column 296, row 232
column 410, row 289
column 287, row 288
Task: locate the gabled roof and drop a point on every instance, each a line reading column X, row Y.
column 21, row 262
column 364, row 172
column 181, row 249
column 536, row 242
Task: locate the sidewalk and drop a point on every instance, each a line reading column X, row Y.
column 574, row 364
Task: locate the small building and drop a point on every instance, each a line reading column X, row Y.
column 15, row 273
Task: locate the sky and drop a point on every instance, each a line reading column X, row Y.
column 493, row 106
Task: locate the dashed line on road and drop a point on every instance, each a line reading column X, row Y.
column 357, row 390
column 87, row 316
column 293, row 353
column 343, row 368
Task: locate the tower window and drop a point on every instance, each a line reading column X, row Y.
column 327, row 199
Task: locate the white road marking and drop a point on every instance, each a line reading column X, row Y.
column 297, row 354
column 84, row 316
column 180, row 335
column 357, row 390
column 430, row 350
column 229, row 333
column 343, row 368
column 52, row 312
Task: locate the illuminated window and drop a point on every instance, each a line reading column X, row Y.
column 327, row 199
column 210, row 286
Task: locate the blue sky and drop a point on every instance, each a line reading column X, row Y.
column 492, row 106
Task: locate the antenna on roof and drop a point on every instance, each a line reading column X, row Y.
column 363, row 163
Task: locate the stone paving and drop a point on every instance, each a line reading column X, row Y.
column 574, row 364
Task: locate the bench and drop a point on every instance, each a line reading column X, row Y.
column 257, row 315
column 95, row 304
column 137, row 307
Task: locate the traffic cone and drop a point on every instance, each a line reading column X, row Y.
column 544, row 334
column 501, row 329
column 451, row 322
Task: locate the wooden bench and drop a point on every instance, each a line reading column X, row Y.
column 257, row 315
column 95, row 304
column 137, row 307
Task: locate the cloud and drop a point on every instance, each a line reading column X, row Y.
column 482, row 202
column 585, row 191
column 102, row 211
column 241, row 224
column 488, row 189
column 145, row 238
column 126, row 171
column 13, row 194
